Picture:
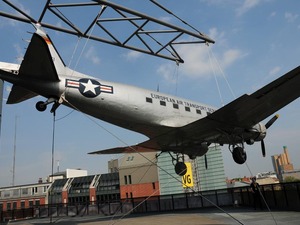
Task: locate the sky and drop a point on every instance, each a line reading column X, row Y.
column 257, row 41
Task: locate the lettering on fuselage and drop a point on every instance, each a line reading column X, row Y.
column 181, row 102
column 89, row 88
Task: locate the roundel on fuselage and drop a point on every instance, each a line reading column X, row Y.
column 89, row 88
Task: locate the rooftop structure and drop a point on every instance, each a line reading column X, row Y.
column 282, row 163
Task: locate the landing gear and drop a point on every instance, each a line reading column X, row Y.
column 179, row 165
column 239, row 155
column 180, row 168
column 42, row 106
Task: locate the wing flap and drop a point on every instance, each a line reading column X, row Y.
column 123, row 150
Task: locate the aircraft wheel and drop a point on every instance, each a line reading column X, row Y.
column 40, row 106
column 239, row 155
column 180, row 168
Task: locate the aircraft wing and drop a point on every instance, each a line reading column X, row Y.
column 249, row 110
column 235, row 118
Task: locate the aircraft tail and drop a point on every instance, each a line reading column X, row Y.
column 41, row 63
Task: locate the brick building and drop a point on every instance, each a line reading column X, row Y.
column 24, row 196
column 138, row 175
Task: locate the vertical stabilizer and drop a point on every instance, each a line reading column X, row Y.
column 57, row 60
column 41, row 63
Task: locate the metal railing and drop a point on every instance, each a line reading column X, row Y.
column 284, row 196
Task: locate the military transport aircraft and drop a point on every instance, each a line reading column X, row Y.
column 172, row 124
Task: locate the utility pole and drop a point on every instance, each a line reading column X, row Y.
column 57, row 165
column 14, row 157
column 1, row 100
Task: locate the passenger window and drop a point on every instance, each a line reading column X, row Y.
column 162, row 103
column 149, row 100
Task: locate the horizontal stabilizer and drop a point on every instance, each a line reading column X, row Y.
column 19, row 94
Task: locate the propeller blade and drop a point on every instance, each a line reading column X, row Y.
column 271, row 121
column 263, row 149
column 205, row 160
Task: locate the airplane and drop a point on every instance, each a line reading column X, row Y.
column 172, row 124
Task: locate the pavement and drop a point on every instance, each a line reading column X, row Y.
column 244, row 216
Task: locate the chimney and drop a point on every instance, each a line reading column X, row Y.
column 286, row 153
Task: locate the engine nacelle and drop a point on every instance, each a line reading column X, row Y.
column 197, row 150
column 260, row 132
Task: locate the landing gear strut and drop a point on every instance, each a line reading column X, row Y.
column 42, row 106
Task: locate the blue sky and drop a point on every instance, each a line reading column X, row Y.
column 257, row 41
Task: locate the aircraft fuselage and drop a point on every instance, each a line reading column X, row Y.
column 141, row 110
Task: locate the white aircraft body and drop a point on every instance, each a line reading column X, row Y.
column 172, row 124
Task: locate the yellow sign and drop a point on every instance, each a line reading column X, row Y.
column 187, row 179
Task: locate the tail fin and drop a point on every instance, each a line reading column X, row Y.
column 41, row 62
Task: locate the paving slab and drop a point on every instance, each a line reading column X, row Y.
column 192, row 217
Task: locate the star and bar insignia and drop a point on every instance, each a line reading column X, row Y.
column 89, row 88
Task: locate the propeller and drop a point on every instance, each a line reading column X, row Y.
column 263, row 148
column 268, row 124
column 271, row 121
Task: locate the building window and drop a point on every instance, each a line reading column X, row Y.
column 163, row 103
column 23, row 205
column 149, row 100
column 198, row 111
column 24, row 191
column 45, row 189
column 34, row 190
column 153, row 186
column 16, row 192
column 187, row 109
column 175, row 106
column 8, row 206
column 131, row 195
column 37, row 202
column 6, row 193
column 130, row 158
column 129, row 177
column 14, row 205
column 30, row 204
column 125, row 179
column 126, row 195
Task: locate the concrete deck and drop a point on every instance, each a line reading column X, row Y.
column 192, row 217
